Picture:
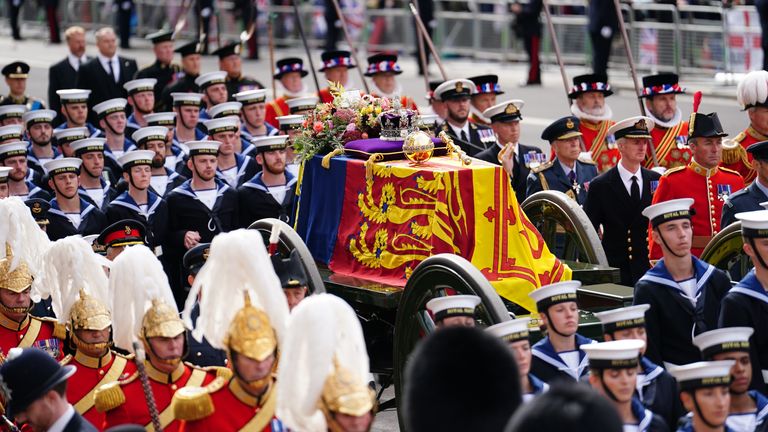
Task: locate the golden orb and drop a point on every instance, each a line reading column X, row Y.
column 418, row 147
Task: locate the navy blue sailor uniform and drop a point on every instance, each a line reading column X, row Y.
column 549, row 366
column 92, row 221
column 673, row 319
column 108, row 192
column 257, row 202
column 537, row 387
column 747, row 199
column 93, row 132
column 688, row 427
column 246, row 168
column 35, row 191
column 155, row 219
column 551, row 176
column 747, row 422
column 35, row 164
column 657, row 390
column 647, row 420
column 746, row 305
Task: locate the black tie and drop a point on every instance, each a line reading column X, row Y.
column 635, row 190
column 111, row 71
column 464, row 136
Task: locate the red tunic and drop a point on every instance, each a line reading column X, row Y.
column 275, row 109
column 671, row 145
column 135, row 411
column 709, row 190
column 595, row 136
column 32, row 332
column 234, row 408
column 90, row 375
column 735, row 156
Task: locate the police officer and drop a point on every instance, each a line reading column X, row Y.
column 164, row 70
column 588, row 104
column 749, row 198
column 749, row 97
column 515, row 333
column 70, row 214
column 704, row 392
column 232, row 64
column 671, row 131
column 16, row 75
column 684, row 292
column 565, row 173
column 471, row 137
column 487, row 89
column 271, row 192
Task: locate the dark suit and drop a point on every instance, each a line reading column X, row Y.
column 747, row 199
column 94, row 77
column 603, row 26
column 60, row 76
column 625, row 229
column 550, row 176
column 78, row 424
column 480, row 138
column 521, row 171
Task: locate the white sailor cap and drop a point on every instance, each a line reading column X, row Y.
column 722, row 340
column 428, row 121
column 225, row 109
column 222, row 124
column 193, row 99
column 10, row 132
column 455, row 305
column 73, row 96
column 251, row 96
column 555, row 293
column 505, row 111
column 290, row 122
column 197, row 148
column 268, row 143
column 62, row 165
column 633, row 127
column 149, row 133
column 620, row 354
column 38, row 116
column 110, row 106
column 455, row 88
column 754, row 223
column 12, row 111
column 140, row 85
column 88, row 145
column 666, row 211
column 4, row 172
column 302, row 104
column 70, row 135
column 13, row 149
column 703, row 374
column 161, row 119
column 208, row 79
column 136, row 157
column 623, row 318
column 511, row 331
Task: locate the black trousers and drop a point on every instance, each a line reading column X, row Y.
column 333, row 33
column 124, row 10
column 204, row 10
column 14, row 7
column 601, row 50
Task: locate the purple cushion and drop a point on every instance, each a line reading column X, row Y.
column 391, row 150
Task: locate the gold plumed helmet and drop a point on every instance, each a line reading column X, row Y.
column 344, row 393
column 250, row 333
column 88, row 313
column 16, row 280
column 161, row 320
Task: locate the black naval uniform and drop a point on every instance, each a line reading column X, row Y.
column 647, row 420
column 155, row 220
column 551, row 176
column 625, row 229
column 256, row 202
column 746, row 305
column 548, row 366
column 202, row 353
column 106, row 188
column 747, row 199
column 521, row 170
column 184, row 84
column 246, row 169
column 480, row 138
column 163, row 73
column 173, row 181
column 92, row 221
column 658, row 392
column 673, row 320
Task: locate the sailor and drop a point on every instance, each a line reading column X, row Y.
column 253, row 117
column 335, row 66
column 141, row 98
column 515, row 333
column 271, row 193
column 4, row 189
column 288, row 72
column 187, row 109
column 558, row 356
column 702, row 179
column 613, row 370
column 749, row 198
column 65, row 138
column 749, row 408
column 164, row 71
column 213, row 86
column 148, row 319
column 23, row 182
column 517, row 158
column 174, row 153
column 754, row 101
column 232, row 110
column 16, row 75
column 670, row 134
column 74, row 108
column 232, row 64
column 472, row 138
column 487, row 89
column 436, row 106
column 293, row 277
column 656, row 388
column 704, row 392
column 11, row 114
column 39, row 127
column 163, row 179
column 232, row 168
column 121, row 234
column 683, row 292
column 383, row 70
column 39, row 209
column 453, row 310
column 70, row 214
column 566, row 172
column 246, row 315
column 184, row 81
column 291, row 125
column 595, row 118
column 746, row 304
column 112, row 120
column 93, row 186
column 616, row 199
column 11, row 133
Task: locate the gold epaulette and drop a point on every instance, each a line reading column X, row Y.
column 109, row 396
column 587, row 161
column 674, row 170
column 129, row 356
column 220, row 371
column 733, row 151
column 68, row 358
column 728, row 170
column 195, row 403
column 542, row 167
column 740, row 137
column 59, row 329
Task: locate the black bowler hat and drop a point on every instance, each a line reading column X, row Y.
column 290, row 270
column 27, row 375
column 189, row 48
column 590, row 83
column 195, row 258
column 287, row 65
column 124, row 232
column 160, row 36
column 564, row 128
column 39, row 209
column 17, row 69
column 233, row 48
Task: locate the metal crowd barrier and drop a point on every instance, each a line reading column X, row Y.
column 688, row 39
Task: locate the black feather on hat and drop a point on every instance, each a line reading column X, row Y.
column 461, row 379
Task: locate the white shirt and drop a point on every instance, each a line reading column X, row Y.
column 159, row 183
column 278, row 193
column 75, row 218
column 458, row 130
column 207, row 197
column 115, row 65
column 230, row 175
column 571, row 359
column 61, row 423
column 144, row 208
column 73, row 61
column 689, row 287
column 97, row 195
column 170, row 162
column 626, row 178
column 745, row 422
